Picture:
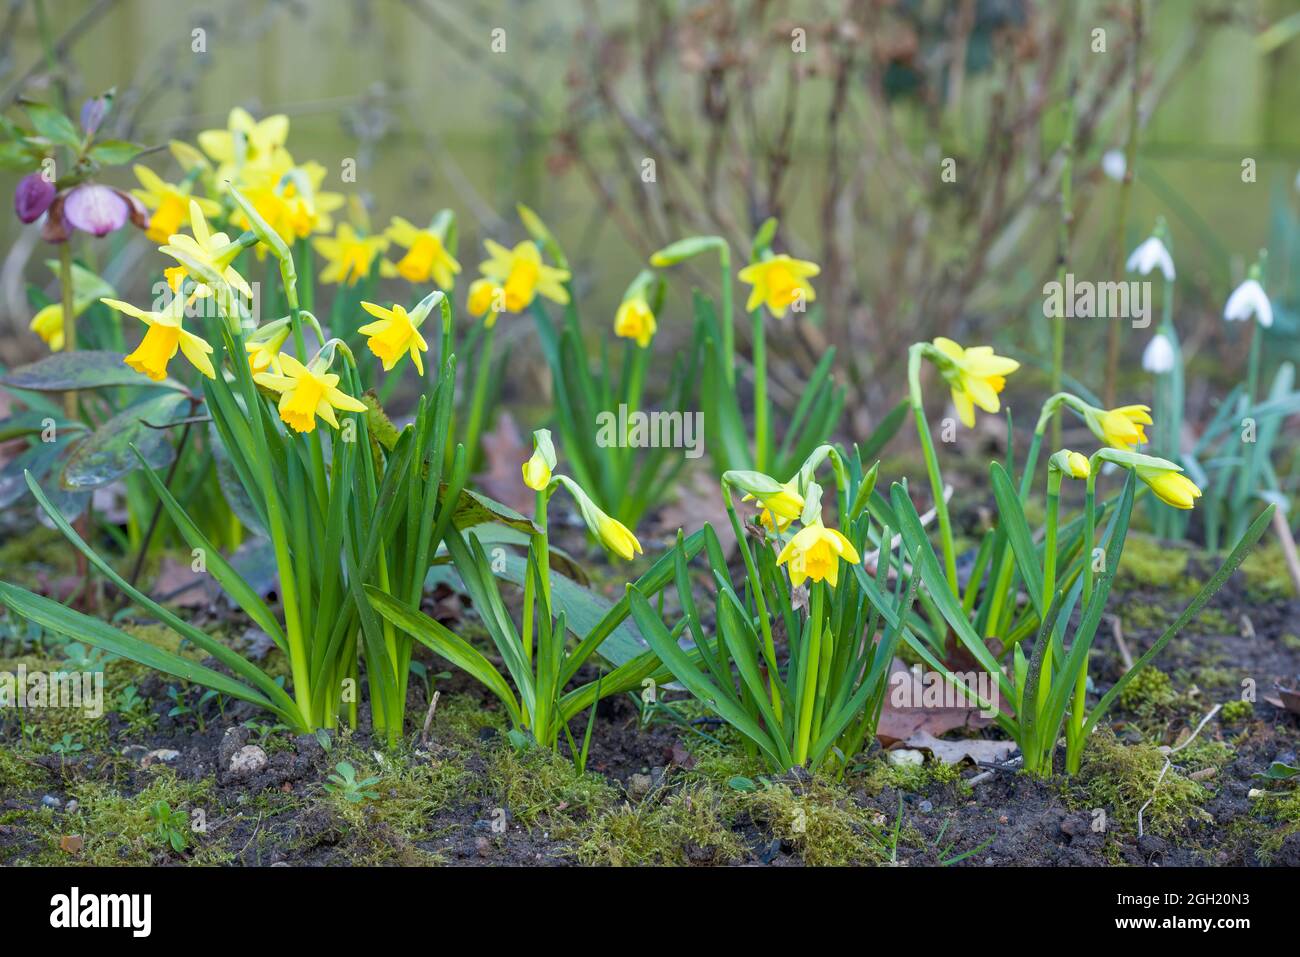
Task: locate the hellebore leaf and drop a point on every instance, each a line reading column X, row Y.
column 84, row 369
column 105, row 454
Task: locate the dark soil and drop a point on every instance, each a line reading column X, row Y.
column 466, row 797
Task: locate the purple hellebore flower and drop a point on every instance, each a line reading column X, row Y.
column 95, row 209
column 33, row 197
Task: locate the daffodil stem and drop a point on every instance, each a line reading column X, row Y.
column 542, row 556
column 931, row 462
column 728, row 319
column 478, row 401
column 69, row 318
column 1049, row 580
column 756, row 589
column 762, row 438
column 1074, row 731
column 810, row 665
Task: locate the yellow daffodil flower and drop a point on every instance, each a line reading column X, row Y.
column 426, row 259
column 486, row 298
column 244, row 140
column 394, row 335
column 264, row 345
column 48, row 324
column 162, row 340
column 289, row 198
column 168, row 204
column 537, row 474
column 779, row 282
column 1170, row 485
column 815, row 552
column 214, row 250
column 975, row 375
column 349, row 255
column 635, row 320
column 306, row 393
column 780, row 508
column 523, row 275
column 1120, row 428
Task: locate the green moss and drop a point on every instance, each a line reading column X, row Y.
column 540, row 786
column 820, row 819
column 1149, row 690
column 1290, row 642
column 1236, row 711
column 118, row 829
column 19, row 774
column 876, row 774
column 1279, row 813
column 41, row 551
column 411, row 791
column 1145, row 616
column 1211, row 621
column 460, row 718
column 1266, row 573
column 684, row 827
column 1147, row 561
column 1122, row 778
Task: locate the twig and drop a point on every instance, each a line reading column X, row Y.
column 1117, row 630
column 1168, row 752
column 1288, row 547
column 157, row 509
column 428, row 719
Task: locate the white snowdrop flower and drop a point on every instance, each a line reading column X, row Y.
column 1249, row 299
column 1113, row 164
column 1158, row 357
column 1150, row 255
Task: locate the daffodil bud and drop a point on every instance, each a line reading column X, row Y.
column 264, row 345
column 538, row 468
column 611, row 533
column 541, row 234
column 812, row 505
column 1073, row 464
column 685, row 249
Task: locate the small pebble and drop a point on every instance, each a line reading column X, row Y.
column 248, row 760
column 905, row 757
column 160, row 756
column 925, row 807
column 51, row 801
